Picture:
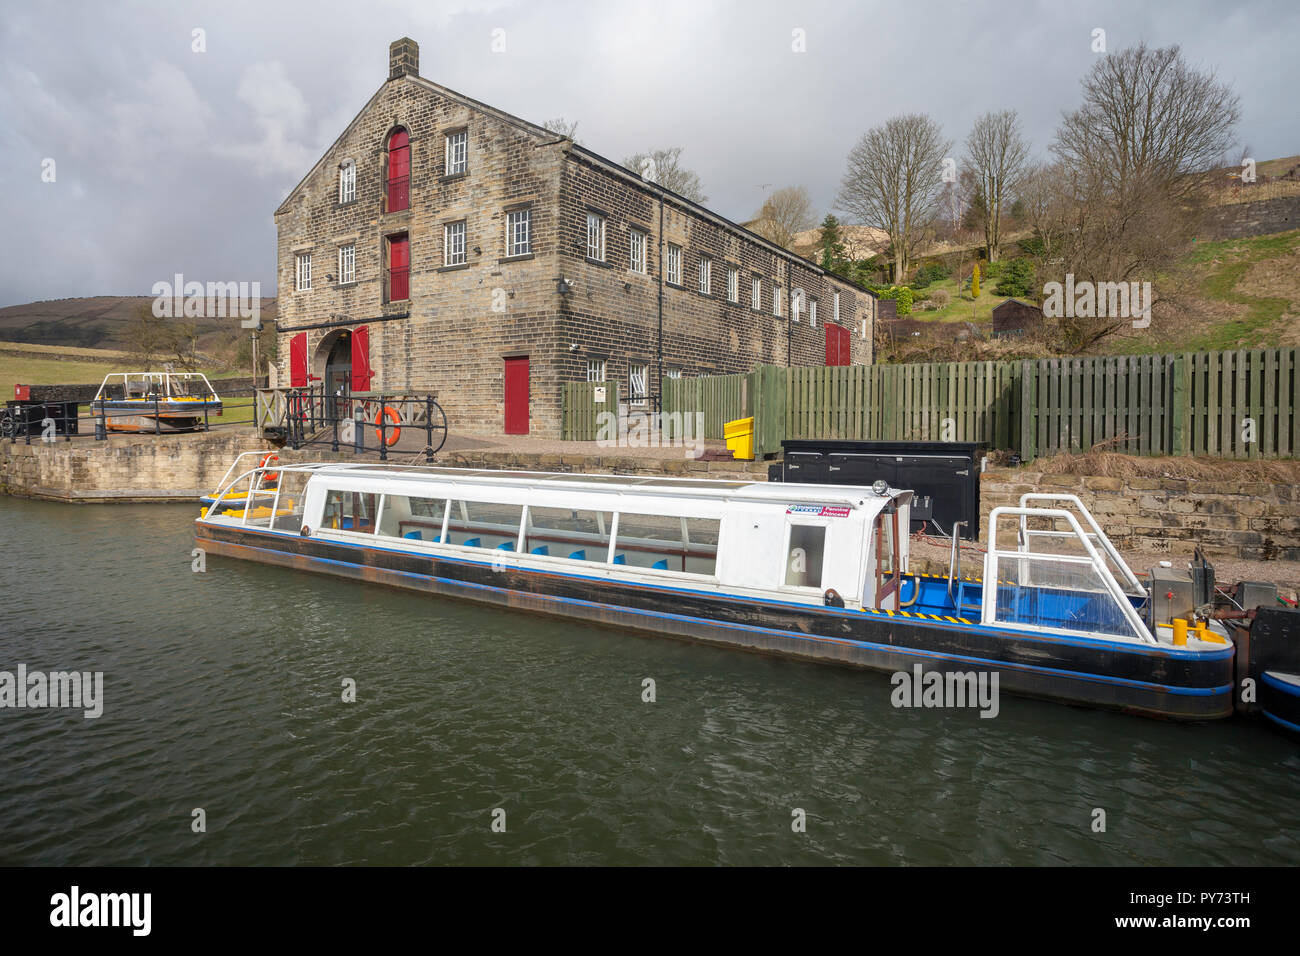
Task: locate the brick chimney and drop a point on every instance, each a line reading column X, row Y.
column 403, row 58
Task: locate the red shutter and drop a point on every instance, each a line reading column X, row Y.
column 361, row 359
column 399, row 268
column 298, row 360
column 399, row 171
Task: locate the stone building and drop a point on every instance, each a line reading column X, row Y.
column 443, row 245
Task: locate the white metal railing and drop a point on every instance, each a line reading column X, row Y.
column 1096, row 534
column 1091, row 558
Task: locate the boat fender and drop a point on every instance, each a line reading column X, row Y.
column 391, row 414
column 832, row 598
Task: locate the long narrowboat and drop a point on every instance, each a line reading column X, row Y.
column 815, row 572
column 155, row 401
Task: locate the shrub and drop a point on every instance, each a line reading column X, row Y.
column 975, row 283
column 1017, row 279
column 940, row 298
column 930, row 273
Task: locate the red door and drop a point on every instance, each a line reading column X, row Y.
column 399, row 171
column 361, row 359
column 838, row 345
column 517, row 395
column 298, row 360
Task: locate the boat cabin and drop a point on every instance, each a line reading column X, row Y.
column 809, row 544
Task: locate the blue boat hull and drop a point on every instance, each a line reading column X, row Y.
column 1152, row 680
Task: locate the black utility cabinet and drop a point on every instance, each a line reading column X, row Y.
column 29, row 415
column 947, row 473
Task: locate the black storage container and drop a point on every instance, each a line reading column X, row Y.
column 33, row 413
column 947, row 473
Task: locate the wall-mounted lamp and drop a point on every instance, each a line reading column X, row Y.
column 563, row 286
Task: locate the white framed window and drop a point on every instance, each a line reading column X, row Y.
column 706, row 275
column 596, row 236
column 756, row 294
column 636, row 247
column 638, row 376
column 347, row 264
column 519, row 232
column 776, row 301
column 673, row 373
column 453, row 244
column 673, row 273
column 812, row 312
column 457, row 151
column 348, row 182
column 302, row 282
column 595, row 370
column 796, row 303
column 835, row 307
column 733, row 284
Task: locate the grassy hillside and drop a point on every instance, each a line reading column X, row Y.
column 101, row 322
column 21, row 363
column 1230, row 294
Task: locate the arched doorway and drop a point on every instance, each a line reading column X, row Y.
column 337, row 371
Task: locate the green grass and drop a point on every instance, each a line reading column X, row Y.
column 961, row 308
column 1222, row 284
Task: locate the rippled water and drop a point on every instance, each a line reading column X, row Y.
column 223, row 691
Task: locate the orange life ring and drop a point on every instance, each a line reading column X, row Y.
column 391, row 414
column 271, row 476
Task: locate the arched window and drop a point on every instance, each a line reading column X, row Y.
column 399, row 171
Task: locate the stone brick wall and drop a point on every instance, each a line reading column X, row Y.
column 1260, row 218
column 451, row 337
column 124, row 468
column 1249, row 520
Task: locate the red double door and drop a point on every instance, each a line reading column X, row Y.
column 361, row 373
column 838, row 345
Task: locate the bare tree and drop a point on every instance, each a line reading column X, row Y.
column 1128, row 189
column 1042, row 195
column 783, row 214
column 894, row 181
column 663, row 166
column 562, row 127
column 1149, row 119
column 996, row 152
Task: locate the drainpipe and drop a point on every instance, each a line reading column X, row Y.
column 659, row 348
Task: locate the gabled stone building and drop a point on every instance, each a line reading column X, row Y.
column 443, row 245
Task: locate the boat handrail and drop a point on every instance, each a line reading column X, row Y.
column 1129, row 577
column 223, row 486
column 954, row 560
column 988, row 610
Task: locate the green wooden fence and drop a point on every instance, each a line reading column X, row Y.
column 580, row 409
column 1228, row 404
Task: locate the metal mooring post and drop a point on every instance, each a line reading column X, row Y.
column 358, row 433
column 157, row 425
column 428, row 429
column 101, row 424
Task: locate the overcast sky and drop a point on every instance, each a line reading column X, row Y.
column 168, row 160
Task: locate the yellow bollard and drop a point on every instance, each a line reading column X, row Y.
column 1180, row 632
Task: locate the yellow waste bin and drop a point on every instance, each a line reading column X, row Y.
column 740, row 437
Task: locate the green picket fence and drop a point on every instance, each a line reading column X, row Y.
column 581, row 409
column 1229, row 404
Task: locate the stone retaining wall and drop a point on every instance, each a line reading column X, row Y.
column 124, row 468
column 1248, row 520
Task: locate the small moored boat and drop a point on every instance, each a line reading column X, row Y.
column 155, row 401
column 817, row 572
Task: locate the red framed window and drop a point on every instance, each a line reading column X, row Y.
column 399, row 267
column 399, row 171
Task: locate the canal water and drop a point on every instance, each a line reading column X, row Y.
column 223, row 691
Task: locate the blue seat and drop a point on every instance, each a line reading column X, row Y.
column 541, row 549
column 506, row 546
column 473, row 542
column 437, row 539
column 620, row 559
column 579, row 555
column 414, row 534
column 661, row 564
column 346, row 523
